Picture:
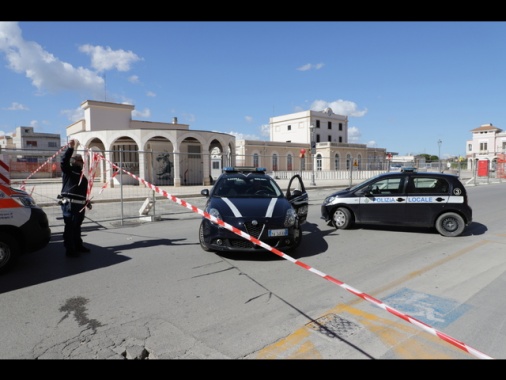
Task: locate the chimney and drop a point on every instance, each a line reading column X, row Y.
column 174, row 120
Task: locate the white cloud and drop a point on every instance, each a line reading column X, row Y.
column 48, row 73
column 17, row 107
column 104, row 58
column 189, row 117
column 133, row 79
column 151, row 94
column 142, row 114
column 45, row 71
column 311, row 66
column 265, row 130
column 74, row 115
column 340, row 107
column 242, row 136
column 249, row 119
column 354, row 135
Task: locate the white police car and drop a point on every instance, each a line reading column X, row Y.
column 251, row 201
column 406, row 198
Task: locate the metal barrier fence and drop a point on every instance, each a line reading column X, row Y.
column 127, row 198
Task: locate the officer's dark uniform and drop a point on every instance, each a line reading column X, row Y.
column 73, row 204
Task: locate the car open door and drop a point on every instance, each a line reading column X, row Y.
column 297, row 196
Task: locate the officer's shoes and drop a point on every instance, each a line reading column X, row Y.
column 83, row 249
column 71, row 254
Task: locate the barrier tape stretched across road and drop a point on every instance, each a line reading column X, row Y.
column 97, row 157
column 356, row 292
column 352, row 290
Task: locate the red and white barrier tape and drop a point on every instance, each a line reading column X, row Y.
column 22, row 187
column 95, row 158
column 356, row 292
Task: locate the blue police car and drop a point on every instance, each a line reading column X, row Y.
column 250, row 201
column 407, row 198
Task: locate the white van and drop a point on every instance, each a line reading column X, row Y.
column 24, row 226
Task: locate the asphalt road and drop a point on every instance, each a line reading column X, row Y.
column 147, row 291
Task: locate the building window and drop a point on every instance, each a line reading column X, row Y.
column 317, row 123
column 348, row 161
column 275, row 162
column 336, row 162
column 319, row 162
column 483, row 147
column 317, row 138
column 359, row 162
column 329, row 124
column 31, row 144
column 470, row 147
column 216, row 165
column 52, row 144
column 329, row 138
column 340, row 126
column 340, row 139
column 256, row 161
column 289, row 127
column 289, row 162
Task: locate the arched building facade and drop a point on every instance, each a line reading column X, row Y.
column 160, row 153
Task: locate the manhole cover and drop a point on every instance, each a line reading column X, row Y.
column 334, row 326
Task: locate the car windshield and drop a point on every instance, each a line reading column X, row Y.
column 247, row 186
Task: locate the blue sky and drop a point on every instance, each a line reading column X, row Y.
column 403, row 85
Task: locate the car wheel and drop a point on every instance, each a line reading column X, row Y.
column 342, row 218
column 9, row 251
column 201, row 238
column 450, row 224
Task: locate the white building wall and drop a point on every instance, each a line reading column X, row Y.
column 295, row 127
column 106, row 116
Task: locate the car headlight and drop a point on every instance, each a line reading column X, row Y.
column 329, row 199
column 290, row 217
column 214, row 212
column 25, row 201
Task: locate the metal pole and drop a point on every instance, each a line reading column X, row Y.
column 439, row 154
column 313, row 183
column 121, row 182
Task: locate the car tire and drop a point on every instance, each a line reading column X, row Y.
column 450, row 224
column 201, row 238
column 342, row 218
column 9, row 251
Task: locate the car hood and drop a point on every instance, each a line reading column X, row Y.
column 341, row 193
column 249, row 208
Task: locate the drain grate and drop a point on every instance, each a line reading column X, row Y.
column 334, row 326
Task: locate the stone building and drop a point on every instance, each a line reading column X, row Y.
column 160, row 153
column 488, row 143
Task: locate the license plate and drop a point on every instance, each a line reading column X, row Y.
column 282, row 232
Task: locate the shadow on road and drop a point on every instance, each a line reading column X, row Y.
column 50, row 263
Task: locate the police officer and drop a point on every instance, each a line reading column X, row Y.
column 73, row 200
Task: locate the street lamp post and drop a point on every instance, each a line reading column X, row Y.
column 439, row 142
column 313, row 151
